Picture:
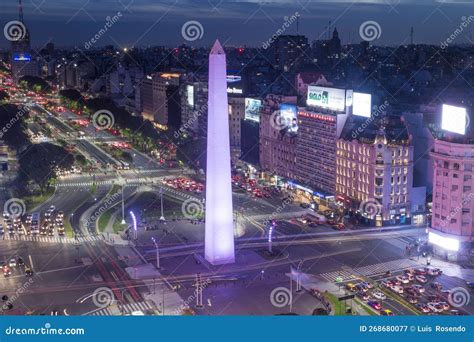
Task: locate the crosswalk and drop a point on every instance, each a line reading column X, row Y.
column 126, row 309
column 52, row 239
column 82, row 184
column 369, row 270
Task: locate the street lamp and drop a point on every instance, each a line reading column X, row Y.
column 157, row 253
column 134, row 220
column 123, row 208
column 270, row 237
column 162, row 217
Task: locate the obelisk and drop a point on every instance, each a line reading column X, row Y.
column 219, row 241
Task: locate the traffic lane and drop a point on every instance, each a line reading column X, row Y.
column 57, row 278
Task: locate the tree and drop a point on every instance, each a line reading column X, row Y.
column 33, row 83
column 12, row 125
column 37, row 163
column 4, row 97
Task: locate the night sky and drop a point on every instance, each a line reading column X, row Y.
column 238, row 22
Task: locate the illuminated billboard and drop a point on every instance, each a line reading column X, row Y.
column 329, row 98
column 453, row 119
column 447, row 243
column 252, row 109
column 288, row 114
column 362, row 104
column 190, row 95
column 21, row 57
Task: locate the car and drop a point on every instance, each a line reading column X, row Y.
column 445, row 306
column 397, row 289
column 6, row 214
column 386, row 283
column 412, row 299
column 421, row 279
column 420, row 271
column 362, row 295
column 435, row 307
column 374, row 304
column 52, row 208
column 368, row 285
column 423, row 308
column 28, row 271
column 12, row 262
column 419, row 288
column 6, row 270
column 351, row 287
column 21, row 262
column 387, row 312
column 437, row 286
column 361, row 287
column 433, row 271
column 410, row 290
column 403, row 279
column 410, row 271
column 379, row 295
column 470, row 284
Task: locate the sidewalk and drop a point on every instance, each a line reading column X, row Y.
column 159, row 290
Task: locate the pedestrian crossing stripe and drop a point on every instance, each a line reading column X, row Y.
column 52, row 239
column 370, row 270
column 127, row 308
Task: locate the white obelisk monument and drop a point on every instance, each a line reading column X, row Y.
column 219, row 241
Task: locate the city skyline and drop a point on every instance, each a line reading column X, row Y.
column 74, row 23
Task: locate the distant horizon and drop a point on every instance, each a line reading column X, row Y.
column 240, row 23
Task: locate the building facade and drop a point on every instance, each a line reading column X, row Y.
column 375, row 176
column 452, row 226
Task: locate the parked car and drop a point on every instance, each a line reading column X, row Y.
column 437, row 286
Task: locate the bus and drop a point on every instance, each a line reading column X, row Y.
column 35, row 223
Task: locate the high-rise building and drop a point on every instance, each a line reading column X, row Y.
column 160, row 99
column 318, row 131
column 452, row 226
column 22, row 61
column 290, row 51
column 277, row 144
column 219, row 236
column 374, row 170
column 236, row 115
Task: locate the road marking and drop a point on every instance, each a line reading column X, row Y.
column 31, row 262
